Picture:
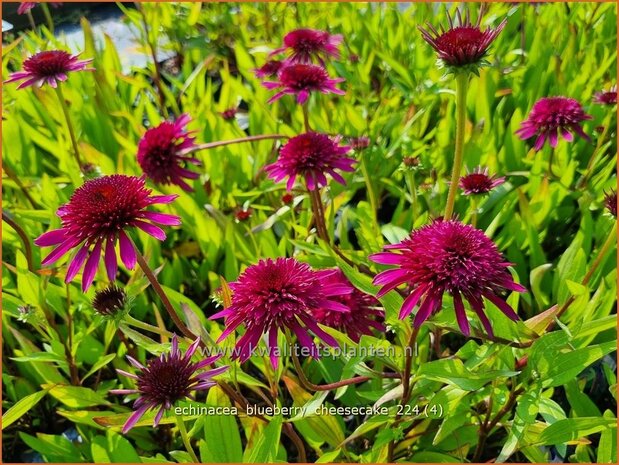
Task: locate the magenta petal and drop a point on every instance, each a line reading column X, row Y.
column 58, row 252
column 51, row 238
column 133, row 419
column 162, row 198
column 162, row 218
column 409, row 303
column 76, row 263
column 90, row 269
column 111, row 264
column 127, row 251
column 463, row 321
column 272, row 347
column 502, row 305
column 151, row 229
column 386, row 258
column 158, row 417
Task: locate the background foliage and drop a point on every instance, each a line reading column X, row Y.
column 558, row 392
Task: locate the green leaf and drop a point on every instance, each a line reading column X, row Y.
column 265, row 449
column 99, row 364
column 76, row 396
column 21, row 407
column 570, row 429
column 565, row 366
column 222, row 441
column 453, row 371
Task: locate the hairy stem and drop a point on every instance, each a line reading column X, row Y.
column 67, row 117
column 162, row 295
column 6, row 217
column 221, row 143
column 48, row 17
column 462, row 81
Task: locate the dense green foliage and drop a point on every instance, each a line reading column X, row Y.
column 550, row 385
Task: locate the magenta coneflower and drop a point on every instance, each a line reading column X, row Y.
column 311, row 155
column 167, row 379
column 462, row 44
column 479, row 182
column 610, row 201
column 306, row 44
column 229, row 114
column 606, row 97
column 551, row 116
column 269, row 69
column 364, row 312
column 94, row 222
column 359, row 143
column 48, row 67
column 25, row 7
column 447, row 256
column 301, row 79
column 278, row 295
column 161, row 153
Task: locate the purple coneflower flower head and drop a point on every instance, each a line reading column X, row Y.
column 610, row 201
column 300, row 79
column 463, row 44
column 452, row 257
column 278, row 295
column 479, row 182
column 48, row 67
column 311, row 155
column 161, row 153
column 165, row 380
column 95, row 220
column 364, row 312
column 229, row 114
column 110, row 301
column 307, row 44
column 269, row 69
column 606, row 97
column 359, row 143
column 551, row 116
column 25, row 7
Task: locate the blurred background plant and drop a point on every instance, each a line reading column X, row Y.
column 537, row 399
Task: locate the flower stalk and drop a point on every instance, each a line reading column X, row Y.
column 185, row 437
column 462, row 80
column 67, row 117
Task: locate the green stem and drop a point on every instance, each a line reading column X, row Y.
column 8, row 219
column 306, row 117
column 48, row 17
column 474, row 208
column 162, row 295
column 370, row 189
column 67, row 117
column 33, row 25
column 317, row 210
column 146, row 327
column 412, row 187
column 221, row 143
column 462, row 81
column 594, row 155
column 183, row 430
